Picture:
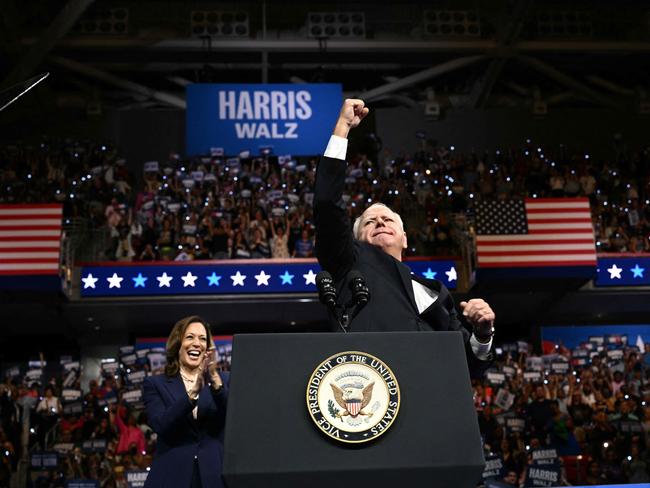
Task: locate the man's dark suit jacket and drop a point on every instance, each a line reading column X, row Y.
column 181, row 438
column 392, row 304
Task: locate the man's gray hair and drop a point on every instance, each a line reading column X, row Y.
column 357, row 221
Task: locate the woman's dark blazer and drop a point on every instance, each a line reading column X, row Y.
column 181, row 438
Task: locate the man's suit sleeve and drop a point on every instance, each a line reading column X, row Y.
column 477, row 367
column 335, row 247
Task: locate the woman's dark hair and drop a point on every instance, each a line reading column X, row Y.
column 175, row 340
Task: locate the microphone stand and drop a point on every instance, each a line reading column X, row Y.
column 343, row 314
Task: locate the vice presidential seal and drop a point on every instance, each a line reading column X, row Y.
column 353, row 397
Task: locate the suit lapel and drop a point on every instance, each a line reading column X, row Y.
column 431, row 284
column 176, row 389
column 204, row 402
column 406, row 277
column 436, row 315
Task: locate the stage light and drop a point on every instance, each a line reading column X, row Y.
column 564, row 23
column 342, row 25
column 112, row 21
column 451, row 23
column 219, row 23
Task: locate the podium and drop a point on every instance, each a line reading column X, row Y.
column 271, row 440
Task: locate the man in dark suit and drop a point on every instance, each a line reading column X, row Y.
column 400, row 301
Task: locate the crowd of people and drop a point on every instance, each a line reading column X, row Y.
column 100, row 432
column 217, row 207
column 594, row 413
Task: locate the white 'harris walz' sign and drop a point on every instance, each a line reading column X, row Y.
column 291, row 118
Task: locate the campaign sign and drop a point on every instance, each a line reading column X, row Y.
column 545, row 456
column 128, row 359
column 504, row 399
column 70, row 365
column 509, row 371
column 532, row 376
column 615, row 354
column 560, row 367
column 44, row 459
column 493, row 467
column 580, row 362
column 156, row 360
column 80, row 483
column 94, row 445
column 515, row 425
column 132, row 396
column 63, row 447
column 543, row 475
column 136, row 479
column 70, row 395
column 33, row 375
column 70, row 378
column 535, row 363
column 73, row 408
column 580, row 353
column 110, row 367
column 496, row 378
column 12, row 372
column 294, row 119
column 136, row 377
column 141, row 353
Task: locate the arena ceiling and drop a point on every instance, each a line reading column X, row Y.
column 466, row 54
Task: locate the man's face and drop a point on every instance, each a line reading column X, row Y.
column 511, row 478
column 380, row 227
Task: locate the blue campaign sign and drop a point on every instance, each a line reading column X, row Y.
column 224, row 277
column 82, row 483
column 625, row 270
column 294, row 119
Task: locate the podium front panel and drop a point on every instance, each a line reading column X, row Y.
column 271, row 440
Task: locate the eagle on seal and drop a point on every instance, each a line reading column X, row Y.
column 352, row 401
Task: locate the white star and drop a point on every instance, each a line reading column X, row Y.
column 188, row 279
column 164, row 280
column 310, row 278
column 614, row 272
column 238, row 279
column 89, row 281
column 114, row 281
column 451, row 274
column 262, row 278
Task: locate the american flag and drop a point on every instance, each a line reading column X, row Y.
column 30, row 239
column 535, row 232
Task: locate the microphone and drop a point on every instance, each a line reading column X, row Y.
column 326, row 289
column 360, row 292
column 327, row 296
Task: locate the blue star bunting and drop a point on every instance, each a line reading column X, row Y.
column 429, row 275
column 638, row 271
column 213, row 279
column 139, row 281
column 286, row 278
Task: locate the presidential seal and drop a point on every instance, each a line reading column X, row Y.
column 353, row 397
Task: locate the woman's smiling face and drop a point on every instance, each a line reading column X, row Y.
column 193, row 346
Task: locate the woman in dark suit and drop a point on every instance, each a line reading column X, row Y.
column 186, row 408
